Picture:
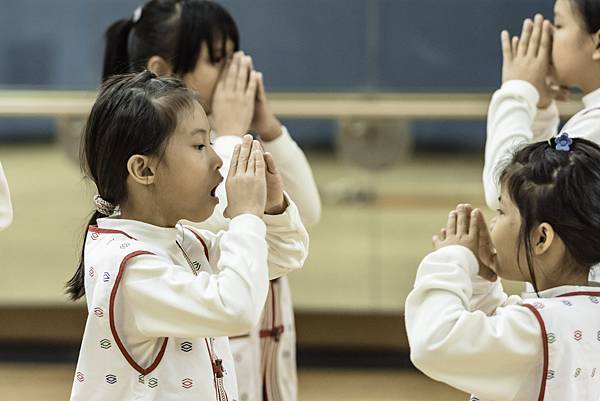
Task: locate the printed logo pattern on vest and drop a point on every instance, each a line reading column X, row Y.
column 141, row 379
column 106, row 277
column 186, row 346
column 80, row 377
column 196, row 267
column 538, row 305
column 153, row 382
column 105, row 343
column 593, row 372
column 92, row 271
column 568, row 303
column 125, row 245
column 187, row 383
column 594, row 299
column 578, row 335
column 551, row 338
column 98, row 311
column 550, row 375
column 111, row 379
column 94, row 236
column 577, row 372
column 473, row 398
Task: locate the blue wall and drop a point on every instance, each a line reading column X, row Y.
column 305, row 45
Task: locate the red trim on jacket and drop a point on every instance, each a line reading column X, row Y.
column 201, row 241
column 537, row 315
column 97, row 230
column 578, row 293
column 113, row 328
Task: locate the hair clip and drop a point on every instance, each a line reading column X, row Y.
column 137, row 14
column 563, row 142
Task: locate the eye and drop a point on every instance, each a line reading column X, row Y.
column 199, row 147
column 499, row 211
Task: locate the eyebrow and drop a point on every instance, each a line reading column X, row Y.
column 198, row 131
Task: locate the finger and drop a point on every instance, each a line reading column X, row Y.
column 442, row 234
column 242, row 74
column 515, row 45
column 252, row 84
column 473, row 227
column 244, row 154
column 270, row 163
column 252, row 161
column 545, row 51
column 506, row 49
column 261, row 93
column 451, row 224
column 461, row 221
column 234, row 161
column 233, row 71
column 259, row 168
column 525, row 35
column 536, row 36
column 435, row 240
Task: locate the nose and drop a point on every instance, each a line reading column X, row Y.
column 216, row 159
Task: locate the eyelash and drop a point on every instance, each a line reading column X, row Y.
column 499, row 211
column 200, row 147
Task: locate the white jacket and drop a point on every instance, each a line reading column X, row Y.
column 466, row 332
column 162, row 302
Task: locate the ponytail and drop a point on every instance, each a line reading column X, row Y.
column 76, row 286
column 116, row 53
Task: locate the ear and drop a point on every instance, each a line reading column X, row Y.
column 142, row 169
column 543, row 237
column 596, row 53
column 159, row 66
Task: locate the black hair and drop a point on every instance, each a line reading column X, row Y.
column 133, row 114
column 561, row 188
column 172, row 29
column 589, row 10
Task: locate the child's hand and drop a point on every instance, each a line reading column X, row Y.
column 464, row 227
column 246, row 184
column 528, row 58
column 487, row 251
column 264, row 122
column 233, row 100
column 276, row 203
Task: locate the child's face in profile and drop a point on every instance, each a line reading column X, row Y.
column 188, row 174
column 505, row 230
column 572, row 46
column 203, row 79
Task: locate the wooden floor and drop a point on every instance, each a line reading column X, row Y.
column 52, row 382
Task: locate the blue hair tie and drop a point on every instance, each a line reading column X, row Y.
column 563, row 142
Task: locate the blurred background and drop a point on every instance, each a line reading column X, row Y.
column 387, row 177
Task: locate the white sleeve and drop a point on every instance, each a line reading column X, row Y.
column 168, row 301
column 510, row 117
column 298, row 179
column 287, row 240
column 546, row 122
column 6, row 212
column 468, row 350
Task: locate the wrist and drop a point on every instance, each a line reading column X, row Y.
column 278, row 207
column 272, row 131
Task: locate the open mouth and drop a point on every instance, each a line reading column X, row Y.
column 214, row 191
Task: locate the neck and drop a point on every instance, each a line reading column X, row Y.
column 591, row 82
column 576, row 275
column 146, row 211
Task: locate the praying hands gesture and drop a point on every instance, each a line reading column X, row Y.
column 466, row 227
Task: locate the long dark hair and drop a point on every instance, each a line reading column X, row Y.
column 589, row 10
column 561, row 188
column 133, row 114
column 172, row 29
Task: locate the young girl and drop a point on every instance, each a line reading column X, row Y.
column 199, row 42
column 465, row 331
column 538, row 67
column 6, row 213
column 163, row 296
